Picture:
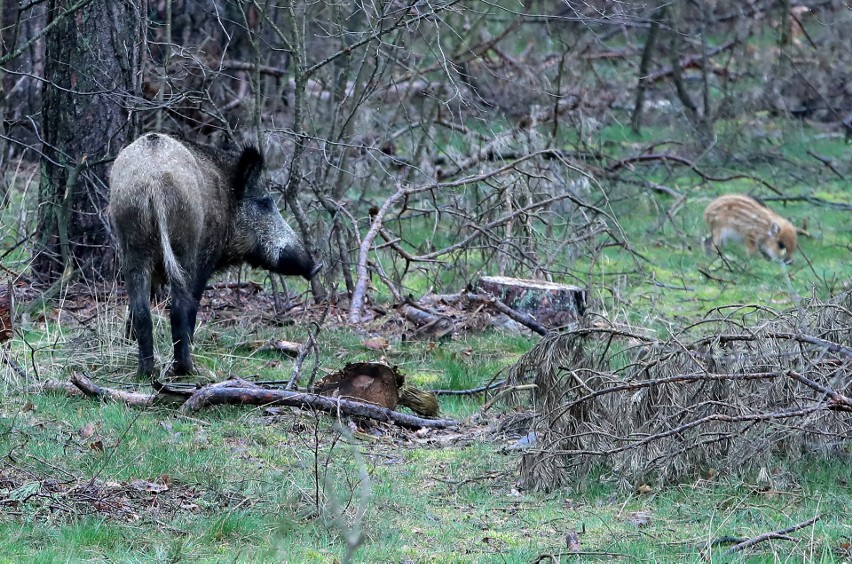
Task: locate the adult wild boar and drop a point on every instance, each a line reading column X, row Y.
column 182, row 211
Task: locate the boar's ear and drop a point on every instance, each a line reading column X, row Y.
column 248, row 171
column 774, row 229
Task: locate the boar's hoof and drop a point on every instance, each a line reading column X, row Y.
column 181, row 369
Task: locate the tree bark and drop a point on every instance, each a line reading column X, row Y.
column 92, row 68
column 644, row 66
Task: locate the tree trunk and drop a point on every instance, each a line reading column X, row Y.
column 92, row 69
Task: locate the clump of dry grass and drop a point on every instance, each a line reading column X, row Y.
column 724, row 394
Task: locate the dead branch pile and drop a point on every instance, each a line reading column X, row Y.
column 723, row 395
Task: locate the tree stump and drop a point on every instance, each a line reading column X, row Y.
column 7, row 307
column 553, row 305
column 379, row 384
column 372, row 382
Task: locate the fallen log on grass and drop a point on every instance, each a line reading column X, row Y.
column 241, row 392
column 93, row 390
column 260, row 396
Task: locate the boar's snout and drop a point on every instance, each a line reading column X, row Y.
column 297, row 264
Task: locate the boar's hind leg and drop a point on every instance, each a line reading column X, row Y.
column 138, row 282
column 184, row 308
column 183, row 312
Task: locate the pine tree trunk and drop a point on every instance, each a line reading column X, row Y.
column 92, row 70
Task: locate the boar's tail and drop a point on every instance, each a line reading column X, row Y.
column 174, row 271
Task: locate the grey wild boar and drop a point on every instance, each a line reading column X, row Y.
column 738, row 218
column 180, row 212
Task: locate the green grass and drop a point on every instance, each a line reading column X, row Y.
column 248, row 485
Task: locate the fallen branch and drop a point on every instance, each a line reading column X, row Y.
column 838, row 401
column 93, row 390
column 780, row 535
column 237, row 391
column 341, row 407
column 429, row 324
column 58, row 386
column 521, row 318
column 287, row 348
column 688, row 62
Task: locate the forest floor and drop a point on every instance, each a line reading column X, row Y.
column 86, row 480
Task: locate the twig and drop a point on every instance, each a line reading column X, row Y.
column 827, row 163
column 780, row 535
column 690, row 61
column 814, row 200
column 7, row 358
column 470, row 391
column 307, row 346
column 504, row 391
column 829, row 345
column 555, row 557
column 709, row 276
column 665, row 157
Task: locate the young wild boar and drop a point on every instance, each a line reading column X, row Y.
column 182, row 211
column 737, row 218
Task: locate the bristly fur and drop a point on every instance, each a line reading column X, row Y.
column 181, row 211
column 739, row 218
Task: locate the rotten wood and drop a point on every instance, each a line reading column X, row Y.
column 375, row 383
